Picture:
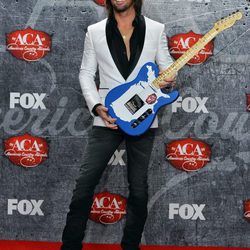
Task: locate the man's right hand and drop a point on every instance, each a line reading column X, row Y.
column 102, row 111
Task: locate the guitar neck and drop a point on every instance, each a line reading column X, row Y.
column 189, row 54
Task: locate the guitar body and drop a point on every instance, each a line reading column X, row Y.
column 135, row 104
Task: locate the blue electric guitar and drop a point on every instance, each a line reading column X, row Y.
column 135, row 104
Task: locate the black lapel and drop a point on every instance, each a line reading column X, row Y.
column 141, row 29
column 109, row 35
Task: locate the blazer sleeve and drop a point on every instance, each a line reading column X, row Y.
column 163, row 58
column 88, row 72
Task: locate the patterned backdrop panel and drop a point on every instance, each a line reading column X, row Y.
column 199, row 188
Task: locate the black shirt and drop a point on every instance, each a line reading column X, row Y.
column 117, row 46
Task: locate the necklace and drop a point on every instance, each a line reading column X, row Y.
column 128, row 34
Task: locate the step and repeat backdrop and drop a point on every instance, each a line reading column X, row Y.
column 199, row 174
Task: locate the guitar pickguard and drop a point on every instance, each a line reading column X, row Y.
column 143, row 91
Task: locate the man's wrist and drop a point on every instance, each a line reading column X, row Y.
column 94, row 109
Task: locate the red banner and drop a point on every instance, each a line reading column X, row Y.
column 31, row 245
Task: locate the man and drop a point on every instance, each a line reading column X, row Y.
column 118, row 46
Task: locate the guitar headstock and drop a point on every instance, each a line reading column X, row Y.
column 228, row 21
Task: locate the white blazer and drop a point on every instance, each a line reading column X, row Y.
column 97, row 54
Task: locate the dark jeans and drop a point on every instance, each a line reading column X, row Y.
column 101, row 145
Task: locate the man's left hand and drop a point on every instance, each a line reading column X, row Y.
column 168, row 82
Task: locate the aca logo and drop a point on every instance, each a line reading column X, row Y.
column 108, row 208
column 25, row 207
column 188, row 154
column 26, row 150
column 190, row 104
column 248, row 102
column 186, row 211
column 27, row 100
column 28, row 44
column 117, row 158
column 247, row 210
column 180, row 43
column 100, row 2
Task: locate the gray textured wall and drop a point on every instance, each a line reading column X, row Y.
column 222, row 184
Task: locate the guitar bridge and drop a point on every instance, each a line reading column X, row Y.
column 141, row 118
